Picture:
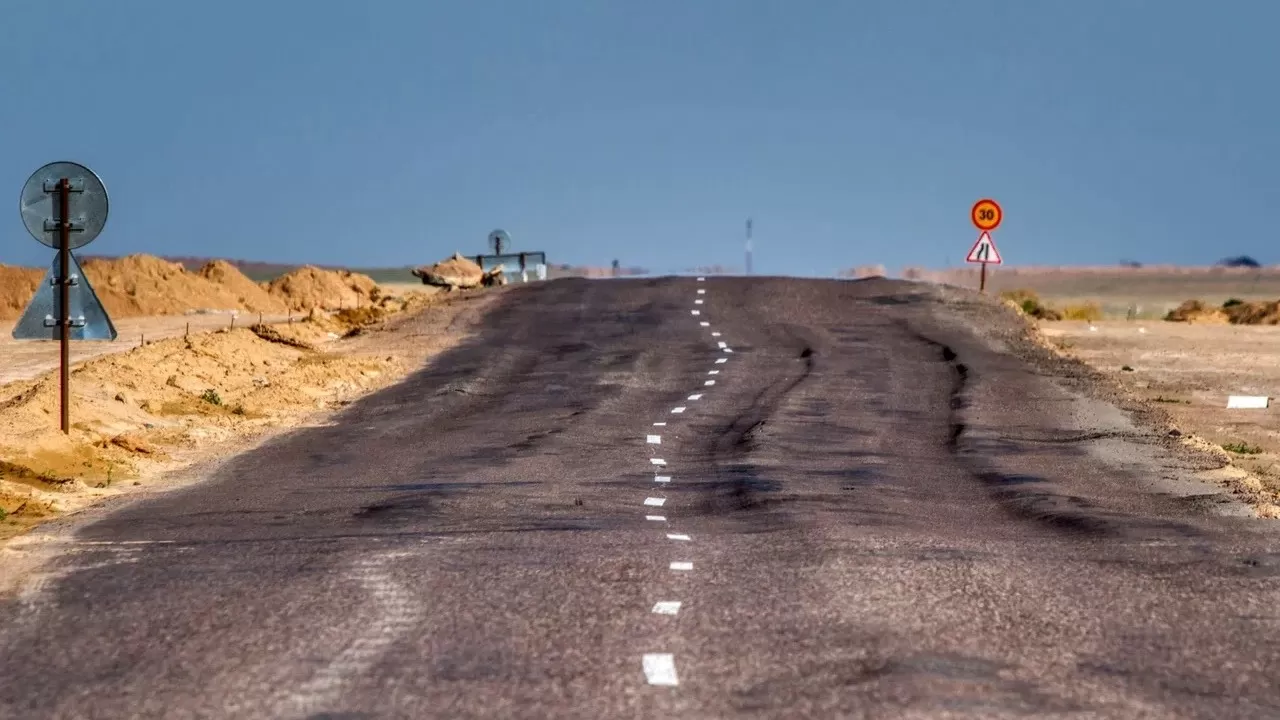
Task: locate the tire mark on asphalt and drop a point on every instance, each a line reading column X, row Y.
column 396, row 611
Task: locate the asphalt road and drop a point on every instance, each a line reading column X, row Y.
column 882, row 508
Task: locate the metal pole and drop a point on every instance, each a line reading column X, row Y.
column 982, row 283
column 64, row 295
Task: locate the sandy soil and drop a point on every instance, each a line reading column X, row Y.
column 1189, row 370
column 144, row 413
column 1149, row 292
column 25, row 359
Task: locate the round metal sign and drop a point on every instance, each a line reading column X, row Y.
column 986, row 214
column 498, row 239
column 87, row 204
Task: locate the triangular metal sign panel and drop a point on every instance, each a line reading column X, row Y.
column 89, row 320
column 984, row 251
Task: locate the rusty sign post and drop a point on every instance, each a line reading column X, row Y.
column 64, row 206
column 986, row 216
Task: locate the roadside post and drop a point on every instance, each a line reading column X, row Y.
column 64, row 206
column 986, row 216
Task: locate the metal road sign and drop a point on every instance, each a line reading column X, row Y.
column 64, row 205
column 87, row 204
column 984, row 251
column 986, row 215
column 89, row 320
column 499, row 240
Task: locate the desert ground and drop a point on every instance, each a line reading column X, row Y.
column 1187, row 370
column 205, row 361
column 1149, row 291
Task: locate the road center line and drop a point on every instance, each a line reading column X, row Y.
column 704, row 323
column 696, row 312
column 678, row 410
column 701, row 291
column 709, row 383
column 654, row 439
column 656, row 518
column 713, row 372
column 666, row 607
column 722, row 344
column 661, row 424
column 657, row 461
column 721, row 361
column 697, row 396
column 697, row 302
column 680, row 565
column 678, row 536
column 654, row 502
column 662, row 478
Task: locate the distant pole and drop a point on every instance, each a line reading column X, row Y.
column 748, row 246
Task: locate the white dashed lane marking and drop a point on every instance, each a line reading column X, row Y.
column 660, row 669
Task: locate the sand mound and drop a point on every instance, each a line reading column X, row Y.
column 250, row 295
column 139, row 285
column 310, row 287
column 453, row 272
column 17, row 285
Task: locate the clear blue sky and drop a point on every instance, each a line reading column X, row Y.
column 392, row 132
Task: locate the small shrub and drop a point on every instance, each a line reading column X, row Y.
column 4, row 513
column 1085, row 311
column 1126, row 368
column 1241, row 448
column 1030, row 304
column 1163, row 399
column 238, row 409
column 212, row 397
column 1232, row 302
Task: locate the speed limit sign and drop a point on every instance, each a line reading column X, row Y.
column 986, row 215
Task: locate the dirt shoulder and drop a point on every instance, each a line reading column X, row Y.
column 1190, row 433
column 144, row 417
column 1188, row 371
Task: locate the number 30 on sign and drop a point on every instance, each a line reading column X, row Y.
column 986, row 215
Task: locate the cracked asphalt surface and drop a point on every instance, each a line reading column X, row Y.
column 896, row 510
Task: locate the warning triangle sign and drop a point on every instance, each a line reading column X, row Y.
column 984, row 251
column 89, row 320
